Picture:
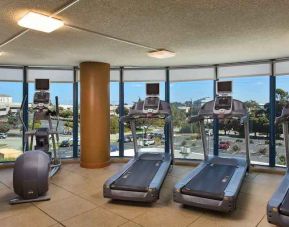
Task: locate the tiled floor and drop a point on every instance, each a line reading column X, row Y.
column 76, row 200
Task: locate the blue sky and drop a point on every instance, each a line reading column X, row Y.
column 254, row 88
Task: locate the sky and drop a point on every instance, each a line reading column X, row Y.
column 254, row 88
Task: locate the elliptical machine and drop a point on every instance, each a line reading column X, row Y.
column 34, row 167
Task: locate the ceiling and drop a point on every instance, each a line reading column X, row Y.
column 199, row 31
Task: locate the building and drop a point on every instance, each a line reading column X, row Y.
column 5, row 103
column 5, row 100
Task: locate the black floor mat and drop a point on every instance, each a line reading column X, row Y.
column 138, row 177
column 210, row 182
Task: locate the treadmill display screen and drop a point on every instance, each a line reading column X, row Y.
column 42, row 84
column 224, row 86
column 224, row 103
column 153, row 89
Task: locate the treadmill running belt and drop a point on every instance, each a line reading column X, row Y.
column 284, row 208
column 138, row 177
column 211, row 182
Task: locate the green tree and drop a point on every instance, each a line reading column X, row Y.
column 114, row 125
column 13, row 120
column 4, row 127
column 65, row 113
column 126, row 110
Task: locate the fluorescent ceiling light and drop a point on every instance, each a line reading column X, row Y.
column 161, row 53
column 40, row 22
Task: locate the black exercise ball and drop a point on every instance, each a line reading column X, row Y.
column 31, row 173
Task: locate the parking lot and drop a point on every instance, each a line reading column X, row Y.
column 191, row 149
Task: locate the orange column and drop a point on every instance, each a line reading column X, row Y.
column 94, row 115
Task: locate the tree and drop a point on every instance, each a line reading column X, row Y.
column 4, row 127
column 13, row 120
column 114, row 125
column 65, row 113
column 126, row 110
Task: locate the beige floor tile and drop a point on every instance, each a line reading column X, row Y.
column 180, row 171
column 250, row 202
column 265, row 223
column 56, row 193
column 7, row 210
column 268, row 179
column 6, row 194
column 250, row 176
column 56, row 225
column 130, row 224
column 6, row 177
column 67, row 208
column 95, row 197
column 2, row 186
column 68, row 179
column 32, row 217
column 255, row 189
column 127, row 210
column 238, row 218
column 167, row 216
column 96, row 217
column 170, row 182
column 166, row 197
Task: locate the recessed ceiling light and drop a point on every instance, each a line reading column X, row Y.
column 40, row 22
column 161, row 53
column 1, row 53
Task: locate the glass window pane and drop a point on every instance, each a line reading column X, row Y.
column 10, row 124
column 64, row 91
column 150, row 133
column 254, row 91
column 185, row 96
column 282, row 97
column 114, row 116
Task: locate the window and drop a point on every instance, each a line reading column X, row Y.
column 282, row 97
column 186, row 99
column 114, row 118
column 10, row 124
column 254, row 92
column 150, row 133
column 60, row 85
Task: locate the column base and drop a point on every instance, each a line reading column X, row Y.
column 98, row 165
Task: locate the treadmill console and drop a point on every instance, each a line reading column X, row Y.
column 151, row 105
column 152, row 101
column 42, row 95
column 223, row 103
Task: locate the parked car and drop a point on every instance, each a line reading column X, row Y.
column 71, row 142
column 65, row 143
column 3, row 135
column 209, row 132
column 224, row 145
column 148, row 142
column 128, row 139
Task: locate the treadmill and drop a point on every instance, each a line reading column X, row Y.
column 278, row 205
column 216, row 182
column 142, row 177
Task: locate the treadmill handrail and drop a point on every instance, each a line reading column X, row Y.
column 131, row 117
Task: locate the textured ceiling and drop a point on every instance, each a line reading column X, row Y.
column 199, row 31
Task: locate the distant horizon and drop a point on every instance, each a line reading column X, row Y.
column 244, row 89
